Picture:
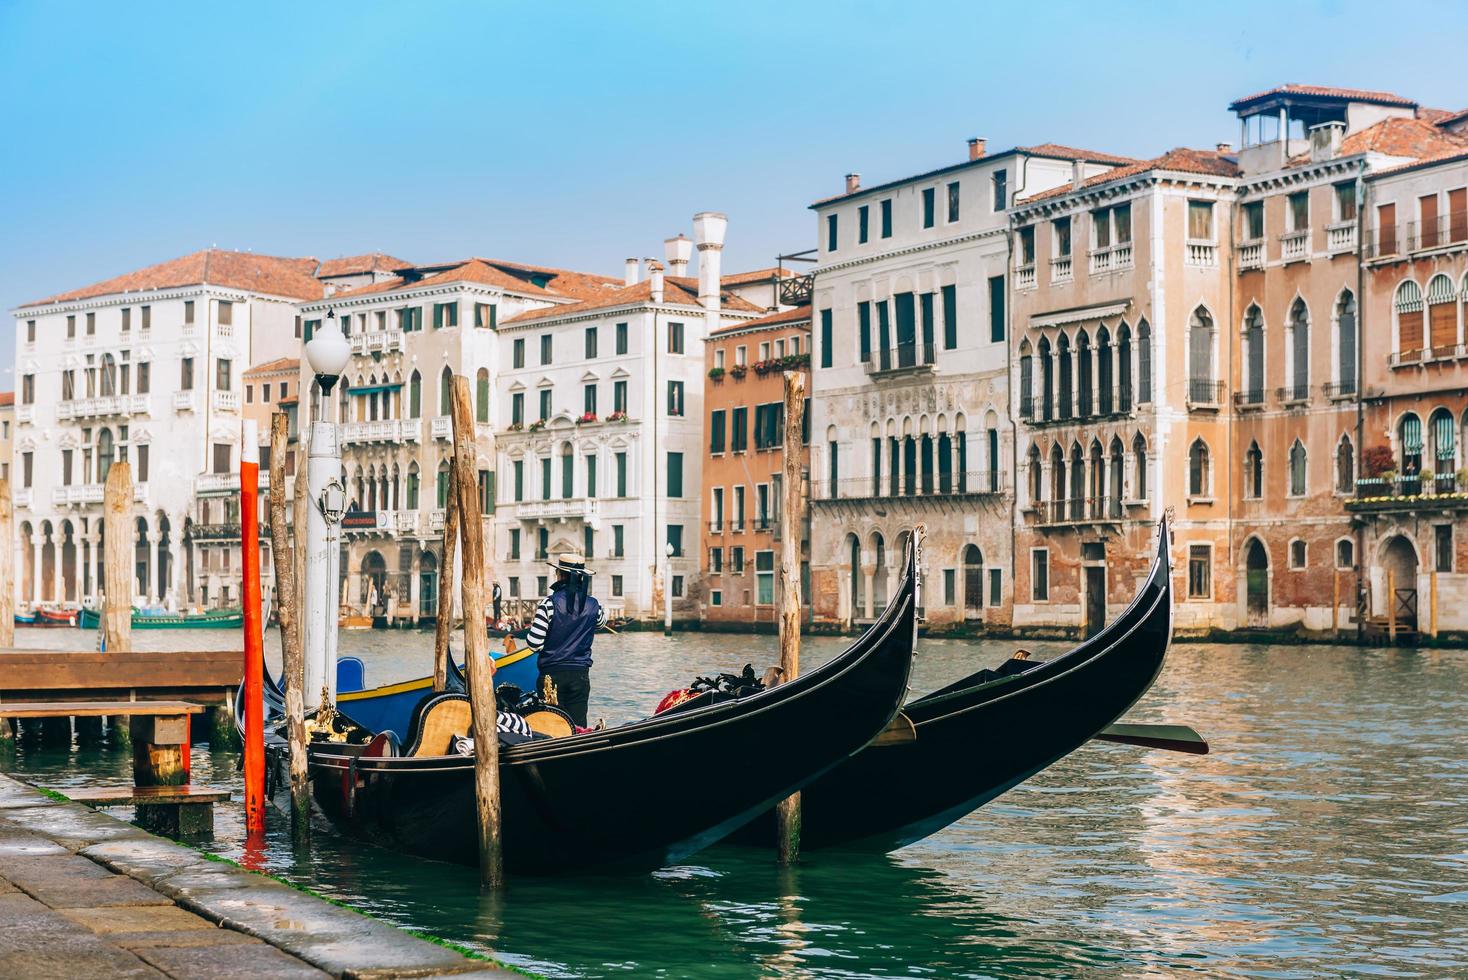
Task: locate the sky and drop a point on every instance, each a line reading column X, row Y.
column 577, row 135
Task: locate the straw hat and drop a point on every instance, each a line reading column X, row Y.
column 572, row 562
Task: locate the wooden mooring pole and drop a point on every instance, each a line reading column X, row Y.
column 444, row 624
column 476, row 640
column 1432, row 601
column 287, row 614
column 254, row 628
column 299, row 506
column 117, row 570
column 793, row 517
column 7, row 576
column 1391, row 605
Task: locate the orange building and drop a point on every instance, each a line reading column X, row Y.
column 744, row 420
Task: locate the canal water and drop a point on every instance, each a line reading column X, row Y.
column 1326, row 835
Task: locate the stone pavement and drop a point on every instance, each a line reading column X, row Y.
column 84, row 894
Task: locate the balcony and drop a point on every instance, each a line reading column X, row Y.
column 226, row 401
column 382, row 430
column 1204, row 395
column 797, row 290
column 442, row 427
column 1339, row 390
column 1251, row 255
column 22, row 496
column 378, row 341
column 1060, row 269
column 559, row 509
column 1294, row 246
column 913, row 357
column 1105, row 509
column 183, row 401
column 1446, row 231
column 1111, row 259
column 90, row 493
column 407, row 521
column 1026, row 406
column 717, row 527
column 1250, row 400
column 1024, row 277
column 25, row 414
column 1106, row 403
column 1340, row 237
column 219, row 484
column 1293, row 395
column 388, row 522
column 107, row 405
column 1200, row 253
column 916, row 488
column 1402, row 494
column 214, row 532
column 435, row 522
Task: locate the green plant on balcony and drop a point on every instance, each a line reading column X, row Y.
column 716, row 373
column 617, row 417
column 738, row 371
column 517, row 427
column 537, row 425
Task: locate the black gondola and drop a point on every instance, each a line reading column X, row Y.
column 982, row 735
column 640, row 795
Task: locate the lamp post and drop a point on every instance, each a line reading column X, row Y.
column 668, row 589
column 327, row 353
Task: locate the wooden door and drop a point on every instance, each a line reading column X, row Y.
column 1386, row 229
column 1095, row 600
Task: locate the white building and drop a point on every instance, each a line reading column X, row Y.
column 145, row 367
column 599, row 413
column 911, row 419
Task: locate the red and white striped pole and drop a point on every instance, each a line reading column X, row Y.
column 254, row 631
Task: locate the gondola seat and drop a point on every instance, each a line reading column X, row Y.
column 436, row 721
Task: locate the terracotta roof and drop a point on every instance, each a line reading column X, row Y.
column 1415, row 138
column 565, row 282
column 1447, row 156
column 1323, row 91
column 268, row 274
column 472, row 270
column 7, row 398
column 1451, row 119
column 758, row 275
column 1073, row 153
column 274, row 367
column 678, row 290
column 801, row 314
column 353, row 265
column 1180, row 159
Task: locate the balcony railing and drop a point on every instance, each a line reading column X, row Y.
column 1026, row 406
column 25, row 414
column 442, row 427
column 1105, row 403
column 903, row 357
column 1111, row 259
column 717, row 527
column 1250, row 398
column 1294, row 394
column 382, row 430
column 101, row 407
column 559, row 508
column 1294, row 246
column 1337, row 390
column 1204, row 394
column 1080, row 510
column 435, row 522
column 1024, row 277
column 1060, row 268
column 1251, row 255
column 214, row 532
column 1201, row 253
column 183, row 401
column 1410, row 492
column 227, row 401
column 1445, row 231
column 22, row 496
column 797, row 290
column 223, row 483
column 1340, row 237
column 90, row 493
column 919, row 487
column 383, row 341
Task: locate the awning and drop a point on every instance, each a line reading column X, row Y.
column 369, row 389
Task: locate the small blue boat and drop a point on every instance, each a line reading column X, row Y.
column 25, row 619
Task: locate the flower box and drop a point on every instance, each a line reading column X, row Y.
column 587, row 418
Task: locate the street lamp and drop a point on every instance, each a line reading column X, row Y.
column 327, row 353
column 668, row 590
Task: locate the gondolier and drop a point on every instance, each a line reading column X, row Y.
column 562, row 632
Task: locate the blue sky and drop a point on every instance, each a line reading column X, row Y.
column 579, row 134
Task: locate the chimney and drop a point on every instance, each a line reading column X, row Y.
column 1325, row 140
column 976, row 147
column 1077, row 174
column 633, row 273
column 853, row 183
column 677, row 252
column 655, row 283
column 708, row 235
column 1224, row 148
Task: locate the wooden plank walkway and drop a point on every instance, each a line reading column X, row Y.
column 202, row 676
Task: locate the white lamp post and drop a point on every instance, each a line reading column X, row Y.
column 668, row 590
column 327, row 353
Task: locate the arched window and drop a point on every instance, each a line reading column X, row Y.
column 1299, row 389
column 1297, row 554
column 1077, row 483
column 1198, row 469
column 1037, row 484
column 1062, row 352
column 1105, row 384
column 1139, row 467
column 1410, row 434
column 1201, row 387
column 443, row 484
column 1345, row 553
column 1115, row 479
column 1124, row 368
column 1253, row 472
column 1254, row 356
column 1144, row 363
column 1408, row 307
column 1345, row 332
column 481, row 396
column 1442, row 317
column 1083, row 374
column 1096, row 488
column 415, row 395
column 1026, row 382
column 1444, row 449
column 104, row 454
column 1345, row 466
column 1297, row 469
column 1047, row 381
column 1057, row 484
column 446, row 392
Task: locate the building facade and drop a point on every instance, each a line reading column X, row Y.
column 743, row 474
column 146, row 367
column 911, row 421
column 7, row 431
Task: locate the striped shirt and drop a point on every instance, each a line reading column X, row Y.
column 540, row 625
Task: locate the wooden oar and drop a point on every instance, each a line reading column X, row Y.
column 1173, row 738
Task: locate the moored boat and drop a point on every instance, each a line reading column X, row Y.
column 638, row 795
column 46, row 616
column 25, row 619
column 212, row 619
column 954, row 750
